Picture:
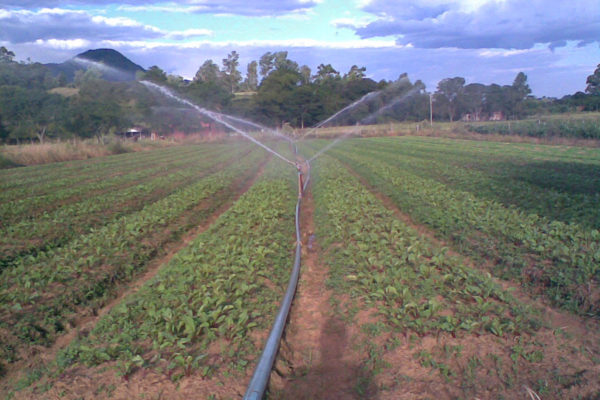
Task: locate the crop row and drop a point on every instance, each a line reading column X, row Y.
column 415, row 285
column 59, row 226
column 560, row 260
column 585, row 128
column 569, row 170
column 40, row 295
column 428, row 310
column 30, row 206
column 62, row 173
column 565, row 196
column 221, row 289
column 416, row 288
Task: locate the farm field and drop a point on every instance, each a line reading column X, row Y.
column 432, row 268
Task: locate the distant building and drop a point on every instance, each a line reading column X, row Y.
column 469, row 117
column 497, row 116
column 135, row 133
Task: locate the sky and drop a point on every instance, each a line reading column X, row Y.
column 556, row 43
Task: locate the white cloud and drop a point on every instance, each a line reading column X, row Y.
column 286, row 43
column 351, row 22
column 236, row 7
column 503, row 52
column 178, row 35
column 175, row 8
column 69, row 44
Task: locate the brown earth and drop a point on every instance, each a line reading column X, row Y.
column 318, row 357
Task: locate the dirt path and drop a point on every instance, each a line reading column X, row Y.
column 87, row 323
column 316, row 359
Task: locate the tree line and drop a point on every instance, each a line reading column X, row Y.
column 275, row 90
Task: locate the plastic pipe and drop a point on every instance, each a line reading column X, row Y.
column 260, row 378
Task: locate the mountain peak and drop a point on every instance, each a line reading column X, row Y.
column 110, row 58
column 113, row 65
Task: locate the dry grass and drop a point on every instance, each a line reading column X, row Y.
column 65, row 91
column 50, row 152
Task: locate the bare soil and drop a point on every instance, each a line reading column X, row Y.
column 317, row 358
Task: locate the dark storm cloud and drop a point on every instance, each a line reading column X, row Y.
column 510, row 24
column 27, row 26
column 238, row 7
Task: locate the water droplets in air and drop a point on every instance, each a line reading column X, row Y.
column 226, row 120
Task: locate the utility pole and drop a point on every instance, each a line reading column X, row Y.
column 431, row 109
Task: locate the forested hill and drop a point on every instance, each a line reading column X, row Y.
column 112, row 65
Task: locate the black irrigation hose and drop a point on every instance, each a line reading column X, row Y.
column 260, row 378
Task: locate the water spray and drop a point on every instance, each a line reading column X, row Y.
column 340, row 112
column 389, row 105
column 257, row 126
column 364, row 120
column 103, row 68
column 218, row 117
column 349, row 107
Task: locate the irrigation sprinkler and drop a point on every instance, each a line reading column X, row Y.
column 218, row 117
column 260, row 378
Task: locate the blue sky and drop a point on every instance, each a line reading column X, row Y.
column 555, row 42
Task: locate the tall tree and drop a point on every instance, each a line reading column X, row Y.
column 474, row 99
column 208, row 72
column 521, row 87
column 593, row 82
column 231, row 74
column 155, row 74
column 449, row 95
column 306, row 73
column 276, row 98
column 96, row 111
column 326, row 72
column 6, row 55
column 280, row 61
column 355, row 73
column 266, row 63
column 252, row 76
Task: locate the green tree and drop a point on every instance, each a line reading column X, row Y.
column 280, row 61
column 83, row 77
column 231, row 74
column 474, row 98
column 208, row 72
column 326, row 72
column 306, row 74
column 97, row 112
column 449, row 96
column 209, row 94
column 521, row 87
column 593, row 83
column 31, row 113
column 6, row 56
column 355, row 73
column 156, row 75
column 276, row 100
column 251, row 82
column 266, row 63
